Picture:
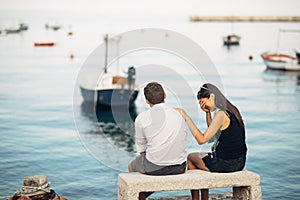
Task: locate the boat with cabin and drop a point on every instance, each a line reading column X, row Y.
column 54, row 27
column 282, row 61
column 231, row 39
column 17, row 29
column 112, row 89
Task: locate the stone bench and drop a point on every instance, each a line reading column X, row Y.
column 245, row 184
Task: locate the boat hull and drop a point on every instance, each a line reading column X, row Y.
column 231, row 40
column 281, row 62
column 44, row 44
column 229, row 43
column 110, row 97
column 8, row 31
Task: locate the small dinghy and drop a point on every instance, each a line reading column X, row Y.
column 40, row 44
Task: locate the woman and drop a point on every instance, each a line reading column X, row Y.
column 229, row 151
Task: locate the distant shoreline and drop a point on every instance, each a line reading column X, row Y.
column 197, row 18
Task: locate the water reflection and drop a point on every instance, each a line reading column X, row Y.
column 116, row 124
column 282, row 76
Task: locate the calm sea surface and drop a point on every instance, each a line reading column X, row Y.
column 41, row 132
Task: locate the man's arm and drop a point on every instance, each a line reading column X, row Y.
column 140, row 139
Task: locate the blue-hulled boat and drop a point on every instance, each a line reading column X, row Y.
column 112, row 90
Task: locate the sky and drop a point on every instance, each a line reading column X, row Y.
column 162, row 7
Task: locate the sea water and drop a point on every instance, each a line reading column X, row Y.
column 40, row 133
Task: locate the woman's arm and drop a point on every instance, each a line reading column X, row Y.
column 207, row 112
column 214, row 126
column 208, row 118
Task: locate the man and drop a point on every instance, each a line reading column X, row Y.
column 160, row 136
column 131, row 77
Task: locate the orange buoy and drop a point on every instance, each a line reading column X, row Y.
column 71, row 56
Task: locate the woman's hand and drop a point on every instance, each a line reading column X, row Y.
column 203, row 107
column 182, row 112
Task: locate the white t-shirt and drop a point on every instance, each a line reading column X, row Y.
column 161, row 133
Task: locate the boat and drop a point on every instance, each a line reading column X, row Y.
column 113, row 90
column 297, row 54
column 231, row 39
column 12, row 30
column 2, row 32
column 292, row 66
column 23, row 26
column 54, row 27
column 281, row 61
column 37, row 44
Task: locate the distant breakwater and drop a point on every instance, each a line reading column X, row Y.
column 197, row 18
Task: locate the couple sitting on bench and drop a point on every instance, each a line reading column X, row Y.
column 161, row 136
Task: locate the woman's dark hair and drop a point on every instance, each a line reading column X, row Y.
column 154, row 93
column 220, row 100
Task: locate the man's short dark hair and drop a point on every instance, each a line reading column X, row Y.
column 154, row 93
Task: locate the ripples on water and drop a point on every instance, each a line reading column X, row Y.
column 39, row 135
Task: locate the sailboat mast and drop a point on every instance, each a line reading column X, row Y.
column 106, row 50
column 278, row 39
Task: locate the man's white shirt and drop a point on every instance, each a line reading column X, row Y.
column 161, row 133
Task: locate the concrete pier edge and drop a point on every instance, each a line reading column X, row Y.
column 197, row 18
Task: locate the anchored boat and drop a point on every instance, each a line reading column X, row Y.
column 281, row 61
column 231, row 40
column 112, row 89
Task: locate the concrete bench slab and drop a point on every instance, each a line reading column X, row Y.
column 245, row 184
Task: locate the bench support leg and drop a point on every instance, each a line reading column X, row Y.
column 126, row 193
column 144, row 195
column 247, row 192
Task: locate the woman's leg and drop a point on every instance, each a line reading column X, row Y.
column 195, row 162
column 204, row 194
